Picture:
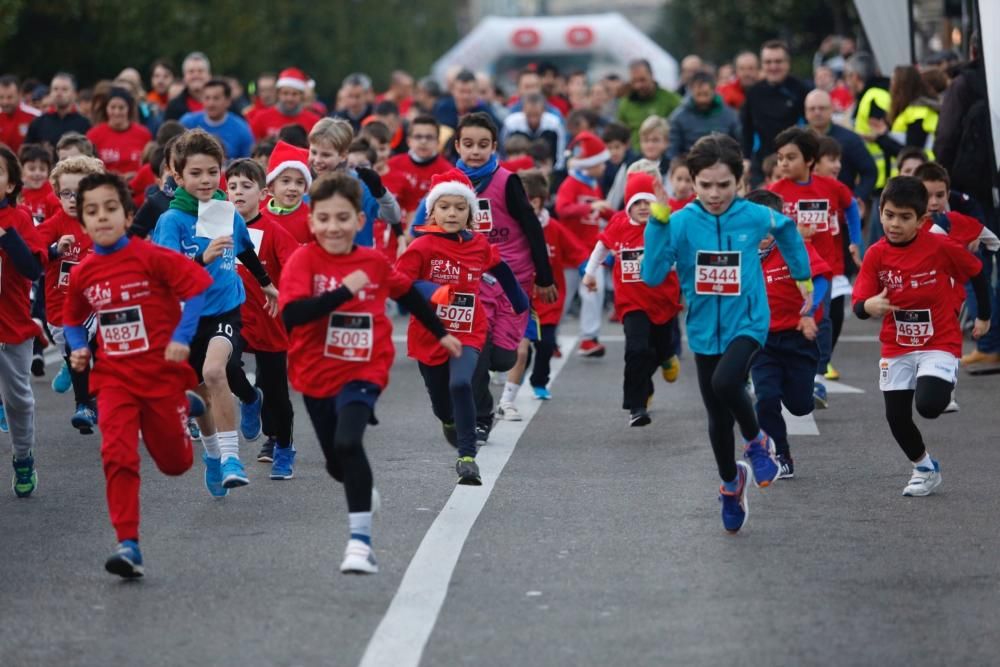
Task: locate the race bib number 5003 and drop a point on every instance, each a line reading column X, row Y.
column 717, row 273
column 349, row 337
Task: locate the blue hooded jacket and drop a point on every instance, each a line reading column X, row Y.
column 714, row 320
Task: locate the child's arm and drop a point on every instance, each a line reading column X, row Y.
column 597, row 257
column 305, row 310
column 567, row 208
column 792, row 247
column 24, row 260
column 388, row 207
column 660, row 250
column 518, row 299
column 520, row 209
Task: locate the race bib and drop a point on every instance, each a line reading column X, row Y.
column 631, row 260
column 457, row 316
column 482, row 219
column 914, row 328
column 349, row 337
column 814, row 212
column 64, row 269
column 256, row 237
column 123, row 331
column 717, row 273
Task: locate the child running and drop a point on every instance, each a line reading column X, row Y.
column 714, row 243
column 333, row 302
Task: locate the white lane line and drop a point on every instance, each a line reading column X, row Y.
column 841, row 388
column 804, row 425
column 857, row 339
column 402, row 634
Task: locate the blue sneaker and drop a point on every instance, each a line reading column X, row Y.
column 760, row 453
column 819, row 396
column 4, row 426
column 62, row 382
column 233, row 474
column 84, row 419
column 213, row 476
column 25, row 479
column 735, row 507
column 281, row 468
column 193, row 430
column 542, row 393
column 126, row 561
column 250, row 424
column 196, row 405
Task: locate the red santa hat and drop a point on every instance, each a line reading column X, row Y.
column 452, row 182
column 286, row 156
column 293, row 77
column 639, row 186
column 587, row 150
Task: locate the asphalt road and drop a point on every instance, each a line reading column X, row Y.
column 597, row 545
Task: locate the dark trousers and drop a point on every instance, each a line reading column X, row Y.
column 449, row 386
column 783, row 372
column 340, row 434
column 931, row 396
column 647, row 346
column 492, row 358
column 545, row 347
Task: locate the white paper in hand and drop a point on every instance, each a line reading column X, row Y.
column 215, row 219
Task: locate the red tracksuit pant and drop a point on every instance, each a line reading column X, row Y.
column 163, row 423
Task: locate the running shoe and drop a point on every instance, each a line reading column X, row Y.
column 266, row 453
column 250, row 425
column 760, row 453
column 952, row 404
column 358, row 559
column 63, row 381
column 126, row 561
column 194, row 430
column 924, row 480
column 38, row 366
column 671, row 368
column 4, row 426
column 213, row 476
column 482, row 434
column 25, row 479
column 542, row 393
column 468, row 471
column 639, row 418
column 819, row 396
column 557, row 353
column 831, row 373
column 786, row 467
column 450, row 433
column 735, row 506
column 508, row 412
column 233, row 473
column 284, row 457
column 590, row 347
column 196, row 404
column 84, row 419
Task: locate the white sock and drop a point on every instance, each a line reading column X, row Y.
column 509, row 393
column 229, row 444
column 211, row 444
column 361, row 526
column 925, row 462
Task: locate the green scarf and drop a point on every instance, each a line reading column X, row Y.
column 273, row 207
column 185, row 201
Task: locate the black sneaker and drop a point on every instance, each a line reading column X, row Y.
column 639, row 418
column 38, row 366
column 482, row 434
column 450, row 433
column 266, row 453
column 786, row 467
column 468, row 471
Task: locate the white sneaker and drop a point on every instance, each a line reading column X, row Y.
column 508, row 412
column 358, row 559
column 952, row 406
column 924, row 481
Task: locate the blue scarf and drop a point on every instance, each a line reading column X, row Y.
column 583, row 178
column 3, row 203
column 114, row 247
column 480, row 173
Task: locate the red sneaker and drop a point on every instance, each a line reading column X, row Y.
column 589, row 347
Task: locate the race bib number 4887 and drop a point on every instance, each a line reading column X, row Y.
column 717, row 272
column 123, row 331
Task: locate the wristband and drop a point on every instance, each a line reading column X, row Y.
column 660, row 212
column 808, row 284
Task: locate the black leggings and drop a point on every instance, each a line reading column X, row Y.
column 647, row 346
column 449, row 386
column 931, row 396
column 722, row 380
column 277, row 415
column 81, row 379
column 545, row 347
column 836, row 319
column 492, row 358
column 340, row 435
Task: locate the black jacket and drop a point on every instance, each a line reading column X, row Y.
column 768, row 110
column 50, row 127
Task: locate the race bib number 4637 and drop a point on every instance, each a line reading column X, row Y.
column 717, row 272
column 914, row 328
column 123, row 331
column 349, row 337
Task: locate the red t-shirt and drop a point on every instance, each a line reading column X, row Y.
column 16, row 325
column 918, row 276
column 783, row 294
column 41, row 203
column 678, row 204
column 732, row 94
column 274, row 246
column 625, row 240
column 963, row 229
column 57, row 275
column 573, row 201
column 354, row 343
column 120, row 151
column 140, row 183
column 136, row 294
column 412, row 180
column 295, row 223
column 564, row 252
column 819, row 203
column 458, row 263
column 14, row 127
column 268, row 122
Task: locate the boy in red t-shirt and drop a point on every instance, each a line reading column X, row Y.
column 646, row 311
column 37, row 196
column 906, row 278
column 333, row 296
column 141, row 375
column 411, row 172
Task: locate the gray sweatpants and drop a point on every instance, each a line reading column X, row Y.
column 15, row 390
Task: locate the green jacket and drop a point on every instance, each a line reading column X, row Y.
column 632, row 111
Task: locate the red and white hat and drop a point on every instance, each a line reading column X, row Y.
column 639, row 186
column 286, row 156
column 587, row 150
column 292, row 77
column 452, row 182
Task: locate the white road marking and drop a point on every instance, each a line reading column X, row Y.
column 402, row 634
column 857, row 339
column 841, row 388
column 805, row 425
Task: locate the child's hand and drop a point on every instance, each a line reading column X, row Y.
column 401, row 242
column 806, row 290
column 216, row 248
column 599, row 205
column 176, row 352
column 79, row 360
column 855, row 254
column 980, row 328
column 548, row 294
column 879, row 305
column 65, row 243
column 590, row 282
column 452, row 344
column 807, row 325
column 270, row 300
column 806, row 231
column 356, row 281
column 974, row 246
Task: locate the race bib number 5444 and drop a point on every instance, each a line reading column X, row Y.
column 717, row 273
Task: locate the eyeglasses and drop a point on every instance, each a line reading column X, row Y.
column 423, row 137
column 67, row 194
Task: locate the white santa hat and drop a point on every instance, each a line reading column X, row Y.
column 286, row 156
column 587, row 150
column 292, row 77
column 454, row 183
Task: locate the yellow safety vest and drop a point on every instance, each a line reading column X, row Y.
column 916, row 113
column 879, row 97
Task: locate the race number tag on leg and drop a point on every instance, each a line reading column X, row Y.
column 123, row 331
column 349, row 337
column 631, row 259
column 482, row 220
column 64, row 268
column 457, row 316
column 717, row 273
column 914, row 328
column 815, row 213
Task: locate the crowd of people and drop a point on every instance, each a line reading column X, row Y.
column 156, row 232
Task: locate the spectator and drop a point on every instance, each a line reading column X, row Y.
column 400, row 91
column 265, row 95
column 464, row 99
column 529, row 81
column 14, row 119
column 690, row 65
column 734, row 93
column 120, row 140
column 840, row 95
column 535, row 122
column 701, row 113
column 913, row 114
column 857, row 167
column 872, row 93
column 161, row 76
column 425, row 97
column 645, row 99
column 197, row 70
column 354, row 95
column 230, row 129
column 292, row 83
column 62, row 117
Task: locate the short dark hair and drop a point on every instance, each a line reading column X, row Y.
column 541, row 151
column 425, row 119
column 777, row 44
column 165, row 64
column 614, row 131
column 806, row 141
column 378, row 131
column 67, row 76
column 294, row 134
column 195, row 142
column 247, row 168
column 640, row 62
column 35, row 152
column 465, row 76
column 517, row 143
column 94, row 181
column 264, row 147
column 828, row 147
column 156, row 160
column 769, row 164
column 8, row 80
column 588, row 116
column 701, row 78
column 227, row 90
column 13, row 171
column 905, row 192
column 911, row 153
column 386, row 108
column 536, row 185
column 169, row 129
column 329, row 185
column 766, row 198
column 716, row 148
column 678, row 162
column 933, row 171
column 168, row 152
column 82, row 143
column 362, row 145
column 476, row 119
